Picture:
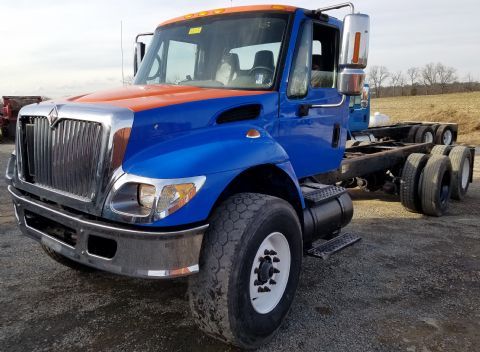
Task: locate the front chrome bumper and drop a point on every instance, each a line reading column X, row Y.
column 132, row 252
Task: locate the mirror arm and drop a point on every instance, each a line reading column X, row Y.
column 335, row 7
column 142, row 35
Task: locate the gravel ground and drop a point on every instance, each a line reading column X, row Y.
column 411, row 284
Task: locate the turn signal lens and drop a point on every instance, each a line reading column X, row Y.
column 356, row 48
column 146, row 195
column 173, row 197
column 217, row 11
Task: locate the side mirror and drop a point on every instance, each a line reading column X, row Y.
column 354, row 54
column 139, row 52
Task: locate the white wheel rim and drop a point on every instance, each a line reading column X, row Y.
column 465, row 173
column 272, row 261
column 447, row 137
column 428, row 137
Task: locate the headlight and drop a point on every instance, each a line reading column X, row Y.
column 146, row 196
column 138, row 199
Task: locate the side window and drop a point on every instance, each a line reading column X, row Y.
column 324, row 56
column 299, row 73
column 180, row 62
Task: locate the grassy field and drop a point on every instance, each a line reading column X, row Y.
column 461, row 108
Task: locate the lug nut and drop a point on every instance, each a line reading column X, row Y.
column 261, row 259
column 266, row 252
column 272, row 252
column 260, row 289
column 276, row 260
column 272, row 282
column 257, row 283
column 255, row 271
column 276, row 271
column 266, row 289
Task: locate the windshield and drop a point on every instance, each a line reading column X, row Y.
column 218, row 51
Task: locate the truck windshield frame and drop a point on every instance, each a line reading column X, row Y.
column 234, row 51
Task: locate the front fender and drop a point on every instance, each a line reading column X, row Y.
column 218, row 152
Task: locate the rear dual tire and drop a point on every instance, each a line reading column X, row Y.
column 436, row 185
column 444, row 135
column 234, row 264
column 426, row 184
column 461, row 159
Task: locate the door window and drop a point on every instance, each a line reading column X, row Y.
column 299, row 74
column 324, row 56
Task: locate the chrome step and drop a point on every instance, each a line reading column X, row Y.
column 326, row 249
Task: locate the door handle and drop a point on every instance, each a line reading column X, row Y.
column 336, row 135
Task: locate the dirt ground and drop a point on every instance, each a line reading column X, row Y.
column 461, row 108
column 412, row 284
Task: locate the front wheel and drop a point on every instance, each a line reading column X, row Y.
column 249, row 269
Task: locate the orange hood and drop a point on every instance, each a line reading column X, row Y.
column 139, row 98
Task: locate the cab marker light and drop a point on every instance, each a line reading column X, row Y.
column 253, row 133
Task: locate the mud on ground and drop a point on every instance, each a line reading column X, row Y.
column 411, row 284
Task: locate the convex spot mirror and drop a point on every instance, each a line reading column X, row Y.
column 365, row 97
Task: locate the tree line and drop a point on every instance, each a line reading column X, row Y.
column 429, row 79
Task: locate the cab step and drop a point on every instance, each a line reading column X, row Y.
column 326, row 249
column 317, row 193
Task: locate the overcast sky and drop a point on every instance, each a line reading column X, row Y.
column 58, row 48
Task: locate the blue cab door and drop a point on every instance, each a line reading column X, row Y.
column 313, row 137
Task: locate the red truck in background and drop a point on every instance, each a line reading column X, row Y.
column 9, row 112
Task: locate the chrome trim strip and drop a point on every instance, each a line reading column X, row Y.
column 112, row 212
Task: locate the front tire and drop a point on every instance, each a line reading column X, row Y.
column 254, row 240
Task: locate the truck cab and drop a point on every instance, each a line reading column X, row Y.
column 359, row 110
column 204, row 166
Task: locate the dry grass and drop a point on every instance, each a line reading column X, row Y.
column 461, row 108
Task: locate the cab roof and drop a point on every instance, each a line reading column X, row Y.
column 237, row 9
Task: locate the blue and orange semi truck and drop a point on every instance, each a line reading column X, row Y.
column 222, row 162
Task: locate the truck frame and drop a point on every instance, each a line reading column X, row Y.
column 225, row 161
column 408, row 131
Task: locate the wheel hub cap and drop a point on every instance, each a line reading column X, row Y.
column 265, row 271
column 269, row 273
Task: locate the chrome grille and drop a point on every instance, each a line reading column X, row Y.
column 64, row 158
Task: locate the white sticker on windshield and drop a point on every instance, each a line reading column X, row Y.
column 259, row 78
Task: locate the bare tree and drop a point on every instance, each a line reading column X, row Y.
column 429, row 76
column 469, row 83
column 412, row 74
column 377, row 75
column 394, row 79
column 446, row 75
column 401, row 83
